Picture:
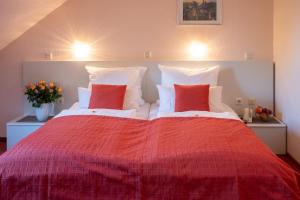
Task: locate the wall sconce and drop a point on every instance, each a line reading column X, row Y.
column 197, row 50
column 81, row 50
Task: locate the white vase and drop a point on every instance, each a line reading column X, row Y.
column 42, row 113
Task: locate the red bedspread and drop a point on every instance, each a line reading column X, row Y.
column 92, row 157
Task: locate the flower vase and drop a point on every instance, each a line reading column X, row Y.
column 42, row 113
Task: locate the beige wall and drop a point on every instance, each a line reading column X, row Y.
column 123, row 30
column 287, row 58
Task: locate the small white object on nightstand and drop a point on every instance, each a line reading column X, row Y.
column 273, row 134
column 19, row 128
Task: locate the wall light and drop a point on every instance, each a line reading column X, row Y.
column 81, row 50
column 197, row 50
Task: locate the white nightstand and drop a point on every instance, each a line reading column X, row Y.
column 20, row 128
column 272, row 133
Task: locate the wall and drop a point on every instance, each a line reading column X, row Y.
column 28, row 14
column 123, row 30
column 287, row 58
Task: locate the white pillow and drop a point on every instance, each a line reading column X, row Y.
column 130, row 101
column 133, row 98
column 167, row 99
column 188, row 76
column 84, row 95
column 216, row 99
column 130, row 76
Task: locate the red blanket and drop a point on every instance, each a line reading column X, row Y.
column 92, row 157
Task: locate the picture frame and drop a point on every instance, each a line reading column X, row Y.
column 199, row 12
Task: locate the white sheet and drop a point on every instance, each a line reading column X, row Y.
column 226, row 113
column 99, row 112
column 153, row 110
column 141, row 113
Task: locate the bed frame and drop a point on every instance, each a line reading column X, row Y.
column 245, row 79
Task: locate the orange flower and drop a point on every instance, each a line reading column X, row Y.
column 42, row 82
column 42, row 87
column 52, row 85
column 28, row 86
column 32, row 87
column 59, row 90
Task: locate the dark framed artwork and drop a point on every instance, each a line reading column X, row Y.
column 194, row 12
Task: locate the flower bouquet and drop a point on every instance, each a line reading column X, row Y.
column 41, row 95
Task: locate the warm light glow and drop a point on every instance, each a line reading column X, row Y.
column 81, row 50
column 197, row 50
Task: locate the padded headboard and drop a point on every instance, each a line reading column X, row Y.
column 245, row 79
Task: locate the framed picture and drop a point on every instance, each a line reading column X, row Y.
column 193, row 12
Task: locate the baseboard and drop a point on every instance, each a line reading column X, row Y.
column 2, row 139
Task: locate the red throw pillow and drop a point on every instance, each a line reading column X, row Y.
column 191, row 97
column 107, row 97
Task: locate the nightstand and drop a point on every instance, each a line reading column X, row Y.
column 272, row 133
column 20, row 128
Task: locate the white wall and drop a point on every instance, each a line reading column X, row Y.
column 17, row 16
column 287, row 58
column 123, row 30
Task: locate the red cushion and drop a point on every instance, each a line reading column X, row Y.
column 107, row 96
column 191, row 97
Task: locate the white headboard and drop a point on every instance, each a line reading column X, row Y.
column 246, row 79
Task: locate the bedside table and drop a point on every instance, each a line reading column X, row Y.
column 20, row 128
column 272, row 133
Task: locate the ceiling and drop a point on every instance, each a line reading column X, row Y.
column 17, row 16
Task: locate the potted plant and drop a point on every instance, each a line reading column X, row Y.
column 42, row 95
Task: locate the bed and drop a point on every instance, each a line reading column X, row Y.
column 146, row 153
column 104, row 157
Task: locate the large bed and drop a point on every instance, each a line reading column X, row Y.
column 176, row 150
column 103, row 157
